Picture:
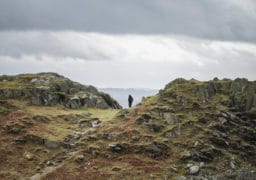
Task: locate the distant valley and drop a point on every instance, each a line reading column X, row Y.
column 121, row 94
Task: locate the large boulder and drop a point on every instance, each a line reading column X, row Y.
column 154, row 150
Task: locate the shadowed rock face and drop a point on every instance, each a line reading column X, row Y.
column 241, row 92
column 48, row 89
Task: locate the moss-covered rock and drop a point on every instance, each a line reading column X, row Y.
column 49, row 89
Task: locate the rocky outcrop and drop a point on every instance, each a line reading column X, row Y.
column 241, row 92
column 209, row 126
column 48, row 89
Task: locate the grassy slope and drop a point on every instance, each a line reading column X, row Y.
column 56, row 128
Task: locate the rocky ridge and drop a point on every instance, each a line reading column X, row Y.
column 49, row 89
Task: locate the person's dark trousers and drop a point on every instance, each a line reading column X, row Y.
column 130, row 104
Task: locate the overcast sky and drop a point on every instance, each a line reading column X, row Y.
column 132, row 43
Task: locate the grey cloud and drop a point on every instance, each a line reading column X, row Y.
column 55, row 44
column 98, row 47
column 210, row 19
column 132, row 60
column 130, row 73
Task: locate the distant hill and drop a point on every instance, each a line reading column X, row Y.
column 121, row 94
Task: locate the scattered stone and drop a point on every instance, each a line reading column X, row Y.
column 95, row 167
column 201, row 164
column 52, row 144
column 39, row 80
column 189, row 165
column 135, row 138
column 196, row 143
column 186, row 155
column 91, row 122
column 154, row 127
column 49, row 163
column 232, row 163
column 118, row 148
column 87, row 114
column 80, row 158
column 95, row 153
column 154, row 150
column 116, row 169
column 95, row 124
column 174, row 168
column 29, row 156
column 194, row 169
column 20, row 140
column 67, row 145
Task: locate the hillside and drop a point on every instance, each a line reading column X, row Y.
column 189, row 130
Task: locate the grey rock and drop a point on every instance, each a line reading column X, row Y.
column 52, row 144
column 96, row 123
column 89, row 122
column 170, row 118
column 116, row 169
column 186, row 155
column 118, row 148
column 201, row 164
column 29, row 156
column 194, row 169
column 80, row 158
column 154, row 150
column 154, row 127
column 20, row 140
column 174, row 168
column 87, row 114
column 49, row 163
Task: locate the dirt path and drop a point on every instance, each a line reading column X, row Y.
column 49, row 169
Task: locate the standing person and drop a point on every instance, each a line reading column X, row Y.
column 130, row 100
